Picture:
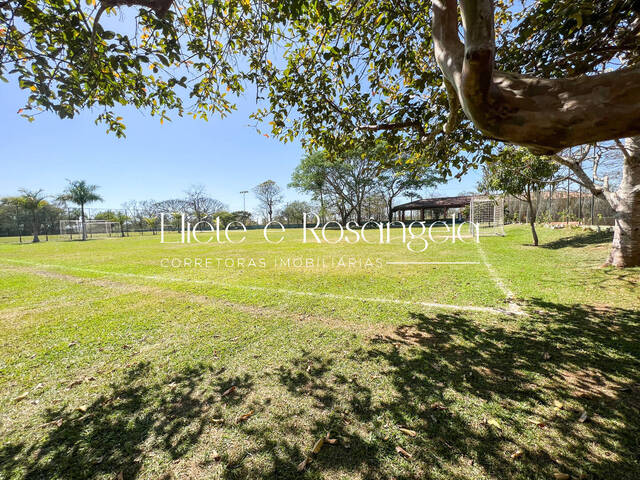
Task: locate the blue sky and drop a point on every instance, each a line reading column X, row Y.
column 154, row 162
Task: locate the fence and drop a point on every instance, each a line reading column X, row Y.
column 554, row 206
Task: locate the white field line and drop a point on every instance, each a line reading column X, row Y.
column 445, row 306
column 513, row 306
column 433, row 263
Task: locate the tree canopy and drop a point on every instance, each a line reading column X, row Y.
column 338, row 73
column 519, row 173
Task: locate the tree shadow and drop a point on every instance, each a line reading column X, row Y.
column 582, row 240
column 441, row 367
column 114, row 432
column 468, row 388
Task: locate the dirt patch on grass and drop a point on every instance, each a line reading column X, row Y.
column 125, row 288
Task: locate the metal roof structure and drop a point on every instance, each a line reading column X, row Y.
column 441, row 202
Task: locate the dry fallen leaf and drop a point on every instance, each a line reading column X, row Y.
column 494, row 423
column 438, row 406
column 411, row 433
column 304, row 464
column 57, row 423
column 403, row 452
column 517, row 454
column 120, row 476
column 244, row 417
column 318, row 445
column 329, row 440
column 217, row 420
column 216, row 456
column 19, row 398
column 539, row 423
column 583, row 417
column 561, row 476
column 229, row 391
column 546, row 355
column 74, row 383
column 558, row 404
column 82, row 408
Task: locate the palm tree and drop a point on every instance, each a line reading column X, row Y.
column 80, row 193
column 31, row 201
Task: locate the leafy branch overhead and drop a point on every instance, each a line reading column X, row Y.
column 336, row 73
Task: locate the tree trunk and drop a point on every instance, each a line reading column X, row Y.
column 390, row 211
column 84, row 226
column 36, row 228
column 625, row 250
column 532, row 221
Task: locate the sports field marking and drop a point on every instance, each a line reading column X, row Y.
column 433, row 263
column 513, row 306
column 444, row 306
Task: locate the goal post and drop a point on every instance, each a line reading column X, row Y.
column 487, row 215
column 93, row 228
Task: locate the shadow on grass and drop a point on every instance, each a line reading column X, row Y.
column 113, row 433
column 447, row 374
column 582, row 240
column 441, row 375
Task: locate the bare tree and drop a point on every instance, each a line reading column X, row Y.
column 200, row 205
column 625, row 200
column 270, row 195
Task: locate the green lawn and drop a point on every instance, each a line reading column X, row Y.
column 111, row 363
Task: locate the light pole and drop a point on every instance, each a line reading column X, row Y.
column 244, row 200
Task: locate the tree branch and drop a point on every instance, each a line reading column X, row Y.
column 546, row 115
column 392, row 126
column 161, row 7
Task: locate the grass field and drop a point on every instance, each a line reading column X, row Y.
column 520, row 363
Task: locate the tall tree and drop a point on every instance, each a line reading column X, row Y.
column 81, row 193
column 122, row 219
column 269, row 194
column 200, row 205
column 293, row 212
column 310, row 176
column 545, row 114
column 32, row 201
column 400, row 179
column 518, row 172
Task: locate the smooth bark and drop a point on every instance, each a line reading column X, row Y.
column 625, row 251
column 545, row 115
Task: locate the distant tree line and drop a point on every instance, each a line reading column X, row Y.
column 361, row 185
